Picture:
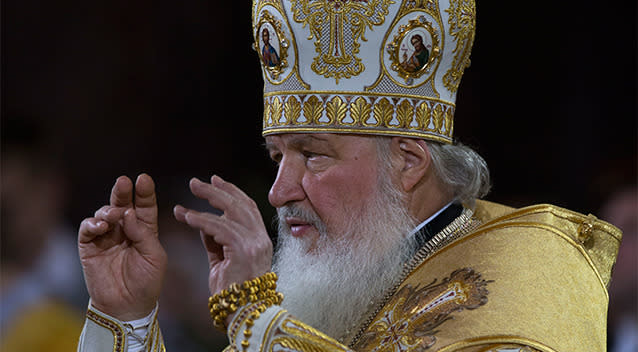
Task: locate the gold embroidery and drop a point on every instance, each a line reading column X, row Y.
column 462, row 21
column 423, row 116
column 298, row 336
column 437, row 116
column 449, row 122
column 383, row 111
column 275, row 110
column 355, row 114
column 336, row 110
column 460, row 227
column 329, row 23
column 267, row 117
column 292, row 110
column 313, row 109
column 360, row 111
column 415, row 313
column 405, row 111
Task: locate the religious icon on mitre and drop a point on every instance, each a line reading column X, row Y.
column 272, row 45
column 414, row 50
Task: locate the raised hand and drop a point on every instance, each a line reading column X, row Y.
column 237, row 242
column 122, row 258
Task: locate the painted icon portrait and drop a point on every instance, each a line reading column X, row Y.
column 415, row 50
column 415, row 54
column 269, row 44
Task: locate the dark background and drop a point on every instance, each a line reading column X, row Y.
column 174, row 89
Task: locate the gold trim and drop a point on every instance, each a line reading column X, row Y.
column 273, row 321
column 462, row 21
column 119, row 340
column 342, row 129
column 476, row 341
column 382, row 113
column 362, row 94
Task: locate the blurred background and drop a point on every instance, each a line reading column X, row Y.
column 96, row 89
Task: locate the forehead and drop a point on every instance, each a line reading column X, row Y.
column 332, row 139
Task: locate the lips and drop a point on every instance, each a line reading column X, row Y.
column 298, row 227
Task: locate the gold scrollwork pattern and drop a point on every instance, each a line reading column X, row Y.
column 462, row 22
column 292, row 110
column 409, row 116
column 337, row 27
column 294, row 335
column 429, row 6
column 413, row 316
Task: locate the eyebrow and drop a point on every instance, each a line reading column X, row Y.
column 298, row 141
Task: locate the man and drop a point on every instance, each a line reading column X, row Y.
column 419, row 57
column 268, row 52
column 382, row 242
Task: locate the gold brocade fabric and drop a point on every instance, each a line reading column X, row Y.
column 535, row 276
column 494, row 280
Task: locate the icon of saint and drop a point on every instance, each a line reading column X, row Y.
column 268, row 52
column 419, row 57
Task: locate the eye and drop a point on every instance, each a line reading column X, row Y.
column 309, row 155
column 276, row 157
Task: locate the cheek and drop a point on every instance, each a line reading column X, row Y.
column 341, row 193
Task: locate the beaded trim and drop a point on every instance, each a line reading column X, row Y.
column 116, row 329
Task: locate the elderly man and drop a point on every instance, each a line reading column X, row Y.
column 383, row 245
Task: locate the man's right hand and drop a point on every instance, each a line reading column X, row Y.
column 123, row 261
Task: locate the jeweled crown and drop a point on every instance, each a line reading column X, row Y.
column 377, row 67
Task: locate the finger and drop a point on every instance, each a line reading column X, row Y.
column 90, row 228
column 229, row 188
column 110, row 214
column 180, row 213
column 220, row 199
column 212, row 225
column 146, row 200
column 248, row 205
column 214, row 250
column 144, row 240
column 136, row 230
column 122, row 192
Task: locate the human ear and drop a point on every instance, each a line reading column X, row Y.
column 415, row 160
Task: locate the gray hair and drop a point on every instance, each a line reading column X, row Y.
column 457, row 166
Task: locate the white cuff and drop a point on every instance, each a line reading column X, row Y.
column 103, row 332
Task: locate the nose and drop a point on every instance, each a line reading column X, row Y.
column 287, row 186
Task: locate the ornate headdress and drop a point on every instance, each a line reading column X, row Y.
column 378, row 67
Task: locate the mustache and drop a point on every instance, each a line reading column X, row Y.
column 295, row 211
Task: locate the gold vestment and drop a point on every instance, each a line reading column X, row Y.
column 495, row 279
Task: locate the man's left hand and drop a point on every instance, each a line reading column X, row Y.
column 237, row 243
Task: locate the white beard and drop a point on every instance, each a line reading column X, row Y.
column 334, row 286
